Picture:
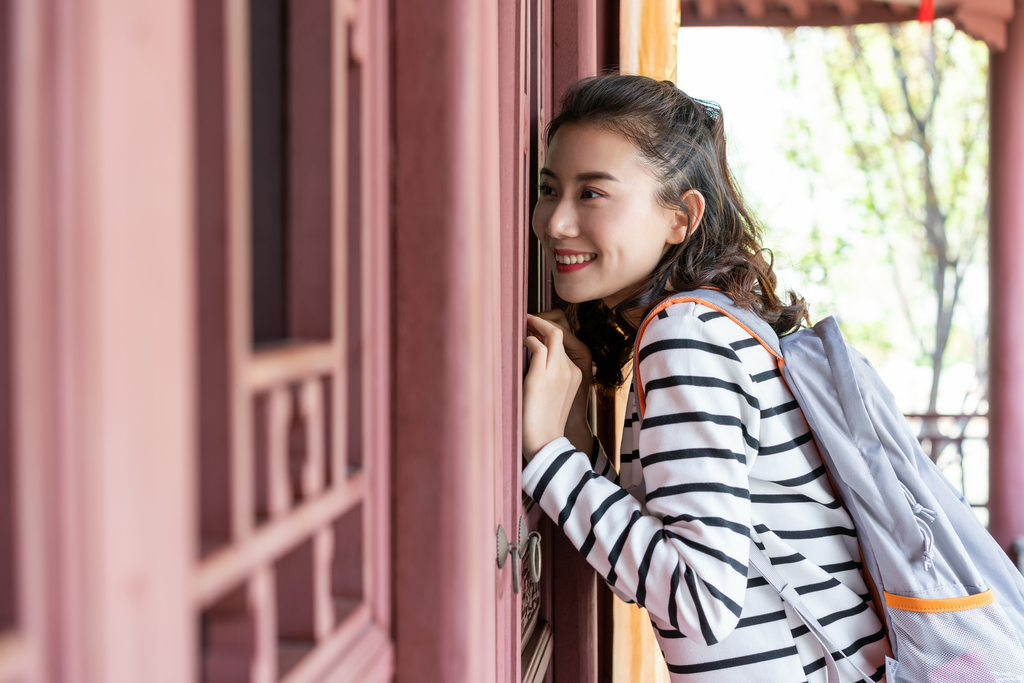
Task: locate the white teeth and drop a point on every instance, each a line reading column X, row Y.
column 573, row 259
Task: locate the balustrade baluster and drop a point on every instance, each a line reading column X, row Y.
column 264, row 609
column 279, row 415
column 323, row 600
column 312, row 407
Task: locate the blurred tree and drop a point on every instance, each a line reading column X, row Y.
column 912, row 100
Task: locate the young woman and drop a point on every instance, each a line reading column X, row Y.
column 637, row 202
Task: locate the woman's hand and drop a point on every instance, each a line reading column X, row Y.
column 579, row 353
column 550, row 386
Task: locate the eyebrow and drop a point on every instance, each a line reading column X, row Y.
column 583, row 177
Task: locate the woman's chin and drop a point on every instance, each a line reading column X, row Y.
column 572, row 295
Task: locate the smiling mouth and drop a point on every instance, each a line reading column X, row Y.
column 572, row 259
column 570, row 263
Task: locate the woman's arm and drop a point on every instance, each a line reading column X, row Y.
column 684, row 557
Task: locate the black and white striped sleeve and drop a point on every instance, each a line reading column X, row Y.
column 682, row 552
column 602, row 465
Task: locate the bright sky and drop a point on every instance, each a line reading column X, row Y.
column 741, row 68
column 711, row 68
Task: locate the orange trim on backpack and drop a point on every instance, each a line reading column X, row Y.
column 641, row 402
column 941, row 604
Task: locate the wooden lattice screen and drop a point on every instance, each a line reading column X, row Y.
column 292, row 583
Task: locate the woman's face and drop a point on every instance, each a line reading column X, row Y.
column 598, row 216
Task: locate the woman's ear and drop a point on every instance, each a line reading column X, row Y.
column 686, row 222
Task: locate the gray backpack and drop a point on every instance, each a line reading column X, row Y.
column 952, row 600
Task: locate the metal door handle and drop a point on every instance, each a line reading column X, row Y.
column 505, row 549
column 534, row 557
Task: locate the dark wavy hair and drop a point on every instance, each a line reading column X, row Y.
column 681, row 140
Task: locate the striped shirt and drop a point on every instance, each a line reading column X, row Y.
column 723, row 455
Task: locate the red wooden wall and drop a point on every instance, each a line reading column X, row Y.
column 262, row 277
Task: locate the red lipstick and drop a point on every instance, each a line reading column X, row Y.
column 572, row 267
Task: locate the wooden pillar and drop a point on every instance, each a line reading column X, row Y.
column 446, row 303
column 1006, row 254
column 103, row 337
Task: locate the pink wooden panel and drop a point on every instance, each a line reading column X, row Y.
column 514, row 127
column 29, row 653
column 103, row 338
column 447, row 349
column 371, row 42
column 574, row 29
column 211, row 277
column 129, row 333
column 8, row 561
column 1006, row 326
column 238, row 278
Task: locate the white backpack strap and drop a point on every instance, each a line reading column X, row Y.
column 788, row 593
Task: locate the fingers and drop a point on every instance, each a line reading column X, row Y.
column 540, row 326
column 543, row 327
column 554, row 340
column 550, row 337
column 537, row 348
column 550, row 351
column 556, row 316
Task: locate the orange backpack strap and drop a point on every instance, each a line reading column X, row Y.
column 682, row 299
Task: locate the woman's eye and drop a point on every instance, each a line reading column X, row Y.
column 589, row 194
column 546, row 190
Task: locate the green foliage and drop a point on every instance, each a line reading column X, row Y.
column 906, row 108
column 873, row 334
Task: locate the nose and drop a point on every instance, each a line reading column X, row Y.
column 559, row 221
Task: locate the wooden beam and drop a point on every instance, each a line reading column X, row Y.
column 819, row 14
column 754, row 9
column 707, row 9
column 847, row 8
column 798, row 9
column 983, row 26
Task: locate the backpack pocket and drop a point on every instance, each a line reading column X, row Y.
column 953, row 640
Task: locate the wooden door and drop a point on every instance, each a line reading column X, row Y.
column 473, row 89
column 553, row 45
column 526, row 617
